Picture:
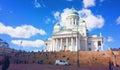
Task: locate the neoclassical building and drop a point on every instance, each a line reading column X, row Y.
column 73, row 36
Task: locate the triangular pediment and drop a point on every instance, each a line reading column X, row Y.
column 64, row 32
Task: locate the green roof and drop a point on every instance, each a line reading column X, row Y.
column 73, row 12
column 58, row 24
column 83, row 21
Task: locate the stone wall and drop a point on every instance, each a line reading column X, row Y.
column 86, row 58
column 116, row 58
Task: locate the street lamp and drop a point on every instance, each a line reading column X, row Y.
column 46, row 47
column 21, row 45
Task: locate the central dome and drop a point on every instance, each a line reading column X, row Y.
column 73, row 11
column 72, row 18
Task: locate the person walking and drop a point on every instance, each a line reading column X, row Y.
column 111, row 65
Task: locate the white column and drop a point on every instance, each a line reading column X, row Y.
column 75, row 21
column 56, row 44
column 86, row 44
column 53, row 45
column 69, row 21
column 72, row 21
column 61, row 45
column 71, row 49
column 66, row 43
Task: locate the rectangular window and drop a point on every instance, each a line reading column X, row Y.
column 89, row 43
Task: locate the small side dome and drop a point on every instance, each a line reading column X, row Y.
column 83, row 21
column 57, row 27
column 58, row 24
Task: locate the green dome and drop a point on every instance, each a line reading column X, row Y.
column 73, row 12
column 57, row 24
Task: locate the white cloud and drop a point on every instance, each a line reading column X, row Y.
column 48, row 20
column 92, row 21
column 118, row 20
column 36, row 50
column 24, row 31
column 37, row 4
column 88, row 3
column 57, row 15
column 109, row 39
column 27, row 43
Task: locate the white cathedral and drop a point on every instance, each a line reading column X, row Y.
column 73, row 37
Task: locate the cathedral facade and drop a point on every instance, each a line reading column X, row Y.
column 73, row 36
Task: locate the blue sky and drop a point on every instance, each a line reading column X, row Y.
column 32, row 21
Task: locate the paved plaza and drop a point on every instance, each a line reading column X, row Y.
column 53, row 67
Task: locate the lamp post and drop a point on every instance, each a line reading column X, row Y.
column 21, row 45
column 46, row 47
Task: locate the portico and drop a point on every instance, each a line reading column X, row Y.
column 69, row 42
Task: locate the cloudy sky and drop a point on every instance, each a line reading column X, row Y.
column 25, row 24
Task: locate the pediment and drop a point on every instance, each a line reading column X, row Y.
column 64, row 32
